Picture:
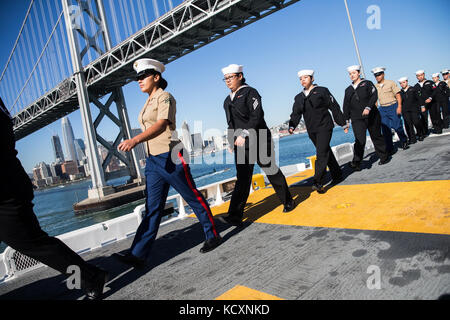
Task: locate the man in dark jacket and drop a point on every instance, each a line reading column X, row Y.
column 425, row 89
column 411, row 111
column 440, row 101
column 19, row 227
column 314, row 103
column 250, row 139
column 360, row 106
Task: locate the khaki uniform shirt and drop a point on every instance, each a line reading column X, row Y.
column 386, row 92
column 162, row 106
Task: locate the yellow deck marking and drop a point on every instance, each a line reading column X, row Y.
column 244, row 293
column 418, row 206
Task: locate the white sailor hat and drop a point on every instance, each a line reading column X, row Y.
column 378, row 70
column 435, row 75
column 353, row 68
column 419, row 72
column 233, row 68
column 305, row 73
column 445, row 71
column 148, row 64
column 403, row 79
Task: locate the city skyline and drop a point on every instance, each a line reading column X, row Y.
column 306, row 35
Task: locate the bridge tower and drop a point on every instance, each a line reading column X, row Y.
column 94, row 9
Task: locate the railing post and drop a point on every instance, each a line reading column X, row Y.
column 181, row 210
column 219, row 199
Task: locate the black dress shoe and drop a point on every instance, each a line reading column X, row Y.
column 384, row 161
column 421, row 138
column 234, row 221
column 412, row 142
column 94, row 286
column 318, row 187
column 211, row 244
column 289, row 206
column 405, row 145
column 130, row 259
column 355, row 166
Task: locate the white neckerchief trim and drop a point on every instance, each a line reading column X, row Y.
column 234, row 93
column 306, row 92
column 356, row 85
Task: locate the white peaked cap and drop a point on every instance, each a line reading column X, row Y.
column 435, row 75
column 403, row 79
column 353, row 68
column 444, row 71
column 145, row 64
column 305, row 73
column 378, row 69
column 420, row 72
column 233, row 68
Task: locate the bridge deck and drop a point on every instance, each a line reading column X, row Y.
column 394, row 218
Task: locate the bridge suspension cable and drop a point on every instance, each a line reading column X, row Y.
column 17, row 40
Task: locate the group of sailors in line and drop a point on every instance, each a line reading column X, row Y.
column 250, row 141
column 377, row 108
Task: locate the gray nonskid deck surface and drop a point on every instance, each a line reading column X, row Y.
column 285, row 261
column 289, row 262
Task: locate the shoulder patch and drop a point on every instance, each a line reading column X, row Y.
column 255, row 103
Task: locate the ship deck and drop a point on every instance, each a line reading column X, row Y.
column 383, row 233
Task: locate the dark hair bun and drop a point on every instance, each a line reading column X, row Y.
column 163, row 83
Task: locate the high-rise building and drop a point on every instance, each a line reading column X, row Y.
column 37, row 173
column 69, row 168
column 45, row 170
column 68, row 139
column 56, row 170
column 80, row 149
column 187, row 139
column 57, row 149
column 198, row 142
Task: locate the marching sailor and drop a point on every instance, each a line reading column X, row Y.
column 411, row 110
column 445, row 75
column 251, row 141
column 425, row 89
column 314, row 103
column 19, row 226
column 440, row 100
column 360, row 106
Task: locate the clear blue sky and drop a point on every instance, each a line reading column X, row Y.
column 309, row 34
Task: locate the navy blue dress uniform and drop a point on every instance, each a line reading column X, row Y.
column 165, row 166
column 314, row 106
column 445, row 75
column 245, row 118
column 425, row 89
column 440, row 101
column 358, row 98
column 411, row 111
column 19, row 227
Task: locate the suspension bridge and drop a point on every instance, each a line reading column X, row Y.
column 73, row 54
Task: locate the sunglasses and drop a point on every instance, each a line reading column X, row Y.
column 141, row 77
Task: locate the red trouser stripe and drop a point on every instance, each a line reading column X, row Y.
column 199, row 198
